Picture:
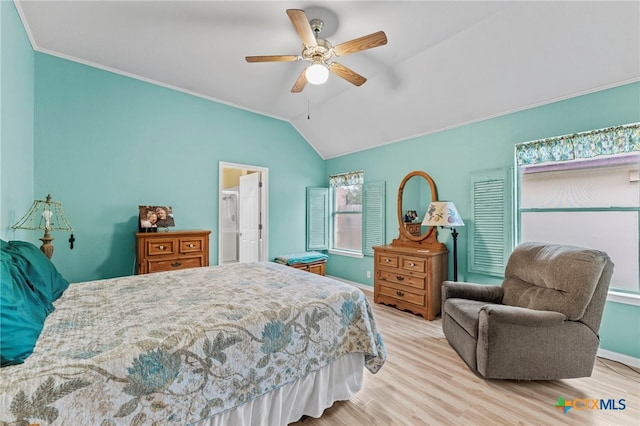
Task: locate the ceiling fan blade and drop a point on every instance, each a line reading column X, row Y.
column 363, row 43
column 300, row 83
column 347, row 73
column 300, row 21
column 272, row 58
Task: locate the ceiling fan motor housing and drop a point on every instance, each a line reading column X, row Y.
column 320, row 53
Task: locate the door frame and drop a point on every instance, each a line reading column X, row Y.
column 264, row 205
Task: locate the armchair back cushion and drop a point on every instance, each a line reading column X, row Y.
column 553, row 278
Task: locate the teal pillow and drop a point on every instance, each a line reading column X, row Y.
column 22, row 314
column 38, row 271
column 30, row 284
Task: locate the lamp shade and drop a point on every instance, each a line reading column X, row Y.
column 442, row 213
column 44, row 214
column 317, row 74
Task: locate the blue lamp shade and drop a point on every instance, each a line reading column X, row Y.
column 442, row 213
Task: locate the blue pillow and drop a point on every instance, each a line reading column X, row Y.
column 29, row 285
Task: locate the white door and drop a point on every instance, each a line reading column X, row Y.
column 249, row 218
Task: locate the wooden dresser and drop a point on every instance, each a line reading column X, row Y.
column 318, row 267
column 414, row 228
column 172, row 250
column 410, row 278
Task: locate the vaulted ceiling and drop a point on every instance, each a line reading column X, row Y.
column 446, row 63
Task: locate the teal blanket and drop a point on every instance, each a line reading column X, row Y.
column 304, row 257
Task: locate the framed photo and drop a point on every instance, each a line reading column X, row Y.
column 410, row 216
column 154, row 217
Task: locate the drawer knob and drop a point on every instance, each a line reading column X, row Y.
column 387, row 260
column 399, row 277
column 161, row 247
column 192, row 245
column 399, row 293
column 412, row 264
column 176, row 264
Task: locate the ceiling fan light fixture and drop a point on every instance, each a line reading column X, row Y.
column 317, row 74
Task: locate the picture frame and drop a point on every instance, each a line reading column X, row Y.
column 410, row 216
column 150, row 218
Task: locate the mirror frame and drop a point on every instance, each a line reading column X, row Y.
column 428, row 238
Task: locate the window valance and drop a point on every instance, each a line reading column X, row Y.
column 346, row 179
column 609, row 141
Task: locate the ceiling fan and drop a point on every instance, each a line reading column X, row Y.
column 320, row 52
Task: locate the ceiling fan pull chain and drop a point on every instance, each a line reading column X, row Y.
column 308, row 110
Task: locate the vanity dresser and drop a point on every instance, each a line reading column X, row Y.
column 408, row 273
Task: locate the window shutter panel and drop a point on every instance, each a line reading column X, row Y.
column 490, row 233
column 317, row 218
column 373, row 216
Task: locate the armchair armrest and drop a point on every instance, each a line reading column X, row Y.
column 520, row 316
column 472, row 291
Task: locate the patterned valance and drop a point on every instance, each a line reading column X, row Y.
column 346, row 179
column 609, row 141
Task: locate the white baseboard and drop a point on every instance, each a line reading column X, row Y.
column 366, row 288
column 614, row 356
column 602, row 353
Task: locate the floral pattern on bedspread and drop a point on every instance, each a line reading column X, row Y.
column 178, row 347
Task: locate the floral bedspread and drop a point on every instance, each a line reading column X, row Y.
column 177, row 347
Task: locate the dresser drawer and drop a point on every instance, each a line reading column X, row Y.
column 387, row 260
column 405, row 280
column 402, row 295
column 414, row 264
column 173, row 264
column 161, row 247
column 191, row 245
column 317, row 268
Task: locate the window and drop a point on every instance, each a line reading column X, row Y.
column 584, row 190
column 346, row 212
column 348, row 218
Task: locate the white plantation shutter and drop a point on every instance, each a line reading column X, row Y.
column 373, row 220
column 317, row 218
column 490, row 241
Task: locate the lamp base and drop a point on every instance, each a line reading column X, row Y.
column 454, row 234
column 47, row 247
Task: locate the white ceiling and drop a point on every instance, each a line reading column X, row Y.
column 447, row 63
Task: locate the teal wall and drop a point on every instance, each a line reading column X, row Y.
column 451, row 156
column 16, row 121
column 105, row 143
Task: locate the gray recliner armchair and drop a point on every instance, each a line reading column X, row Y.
column 541, row 324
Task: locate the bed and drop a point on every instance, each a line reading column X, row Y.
column 251, row 343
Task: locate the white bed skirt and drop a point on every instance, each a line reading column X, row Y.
column 310, row 396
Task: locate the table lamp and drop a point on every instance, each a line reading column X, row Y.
column 45, row 215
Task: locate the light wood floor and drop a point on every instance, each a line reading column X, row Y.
column 424, row 382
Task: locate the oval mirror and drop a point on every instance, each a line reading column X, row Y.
column 417, row 190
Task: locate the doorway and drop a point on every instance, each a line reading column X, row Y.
column 242, row 213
